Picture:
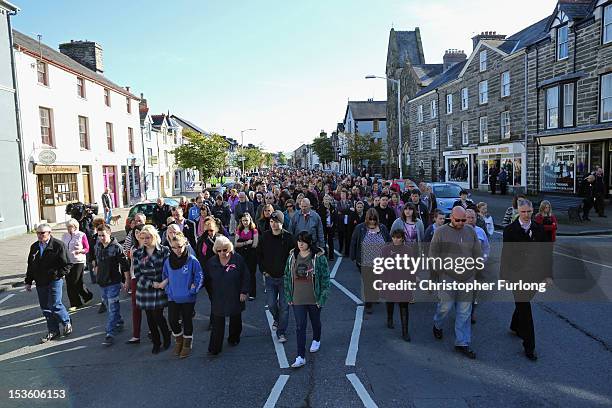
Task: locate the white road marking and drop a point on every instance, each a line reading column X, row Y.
column 276, row 391
column 334, row 270
column 583, row 260
column 7, row 297
column 337, row 253
column 24, row 324
column 22, row 336
column 351, row 356
column 278, row 347
column 12, row 310
column 39, row 347
column 346, row 292
column 368, row 402
column 50, row 354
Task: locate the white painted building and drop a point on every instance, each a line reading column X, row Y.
column 81, row 132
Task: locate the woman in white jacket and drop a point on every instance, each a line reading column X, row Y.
column 78, row 247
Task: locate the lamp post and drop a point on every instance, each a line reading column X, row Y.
column 399, row 118
column 242, row 144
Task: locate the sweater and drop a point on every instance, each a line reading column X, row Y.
column 179, row 288
column 399, row 225
column 455, row 243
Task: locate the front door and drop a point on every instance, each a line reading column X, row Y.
column 110, row 182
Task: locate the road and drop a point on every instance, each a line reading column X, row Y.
column 361, row 361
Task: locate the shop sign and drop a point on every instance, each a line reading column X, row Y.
column 500, row 149
column 43, row 169
column 47, row 157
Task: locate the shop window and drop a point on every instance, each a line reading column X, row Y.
column 558, row 168
column 458, row 169
column 58, row 189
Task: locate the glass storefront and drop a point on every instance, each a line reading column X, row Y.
column 563, row 167
column 458, row 169
column 507, row 156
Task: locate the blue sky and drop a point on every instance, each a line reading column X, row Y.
column 286, row 68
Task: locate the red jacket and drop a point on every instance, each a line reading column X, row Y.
column 550, row 228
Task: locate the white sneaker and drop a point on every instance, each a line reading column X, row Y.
column 314, row 347
column 299, row 362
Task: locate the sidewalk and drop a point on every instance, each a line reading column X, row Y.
column 14, row 251
column 498, row 204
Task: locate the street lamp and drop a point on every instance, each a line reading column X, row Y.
column 242, row 143
column 399, row 118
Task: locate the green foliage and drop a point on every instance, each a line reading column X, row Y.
column 364, row 147
column 253, row 158
column 282, row 159
column 204, row 153
column 322, row 146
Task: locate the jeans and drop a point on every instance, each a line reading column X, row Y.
column 108, row 215
column 277, row 303
column 50, row 300
column 110, row 297
column 462, row 302
column 299, row 312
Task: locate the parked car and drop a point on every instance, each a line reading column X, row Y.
column 146, row 207
column 446, row 195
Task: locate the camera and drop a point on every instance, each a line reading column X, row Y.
column 80, row 210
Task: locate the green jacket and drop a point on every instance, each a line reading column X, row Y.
column 320, row 282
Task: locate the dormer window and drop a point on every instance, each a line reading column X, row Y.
column 562, row 42
column 483, row 60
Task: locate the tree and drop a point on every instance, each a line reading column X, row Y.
column 268, row 159
column 282, row 159
column 204, row 153
column 322, row 146
column 253, row 158
column 364, row 147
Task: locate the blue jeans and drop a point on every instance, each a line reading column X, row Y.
column 300, row 311
column 277, row 303
column 462, row 302
column 108, row 215
column 50, row 299
column 110, row 297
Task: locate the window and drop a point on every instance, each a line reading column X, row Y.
column 483, row 60
column 150, row 155
column 464, row 99
column 58, row 189
column 107, row 100
column 552, row 108
column 505, row 124
column 606, row 98
column 46, row 130
column 84, row 132
column 449, row 135
column 449, row 104
column 109, row 137
column 562, row 42
column 128, row 104
column 434, row 138
column 43, row 72
column 166, row 157
column 607, row 24
column 420, row 140
column 81, row 87
column 434, row 109
column 568, row 105
column 483, row 92
column 419, row 113
column 376, row 125
column 484, row 130
column 131, row 140
column 505, row 84
column 464, row 132
column 147, row 133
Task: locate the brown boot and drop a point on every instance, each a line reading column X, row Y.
column 186, row 351
column 179, row 341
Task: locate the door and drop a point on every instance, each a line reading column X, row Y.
column 86, row 173
column 110, row 182
column 124, row 186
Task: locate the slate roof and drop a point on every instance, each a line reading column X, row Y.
column 409, row 46
column 187, row 124
column 575, row 9
column 21, row 40
column 427, row 72
column 158, row 120
column 450, row 74
column 525, row 37
column 367, row 110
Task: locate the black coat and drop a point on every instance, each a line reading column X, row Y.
column 239, row 210
column 273, row 251
column 386, row 216
column 227, row 283
column 334, row 217
column 189, row 230
column 160, row 215
column 525, row 255
column 52, row 265
column 222, row 212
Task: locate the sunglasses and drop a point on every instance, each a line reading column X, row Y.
column 42, row 232
column 223, row 250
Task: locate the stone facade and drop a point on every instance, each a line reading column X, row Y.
column 86, row 53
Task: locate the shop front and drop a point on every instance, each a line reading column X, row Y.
column 57, row 187
column 509, row 156
column 460, row 166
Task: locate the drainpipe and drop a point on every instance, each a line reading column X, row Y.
column 22, row 169
column 144, row 161
column 525, row 130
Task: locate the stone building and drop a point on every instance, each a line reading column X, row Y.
column 368, row 118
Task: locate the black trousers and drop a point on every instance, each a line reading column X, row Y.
column 184, row 312
column 391, row 306
column 587, row 204
column 158, row 326
column 344, row 239
column 218, row 331
column 522, row 324
column 503, row 186
column 250, row 258
column 493, row 186
column 75, row 287
column 329, row 239
column 599, row 204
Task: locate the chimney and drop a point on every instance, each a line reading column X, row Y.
column 452, row 57
column 142, row 105
column 86, row 53
column 486, row 35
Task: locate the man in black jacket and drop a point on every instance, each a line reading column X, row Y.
column 243, row 206
column 386, row 214
column 272, row 254
column 161, row 212
column 525, row 257
column 47, row 264
column 188, row 227
column 221, row 211
column 423, row 212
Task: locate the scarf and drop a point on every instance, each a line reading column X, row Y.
column 177, row 262
column 201, row 229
